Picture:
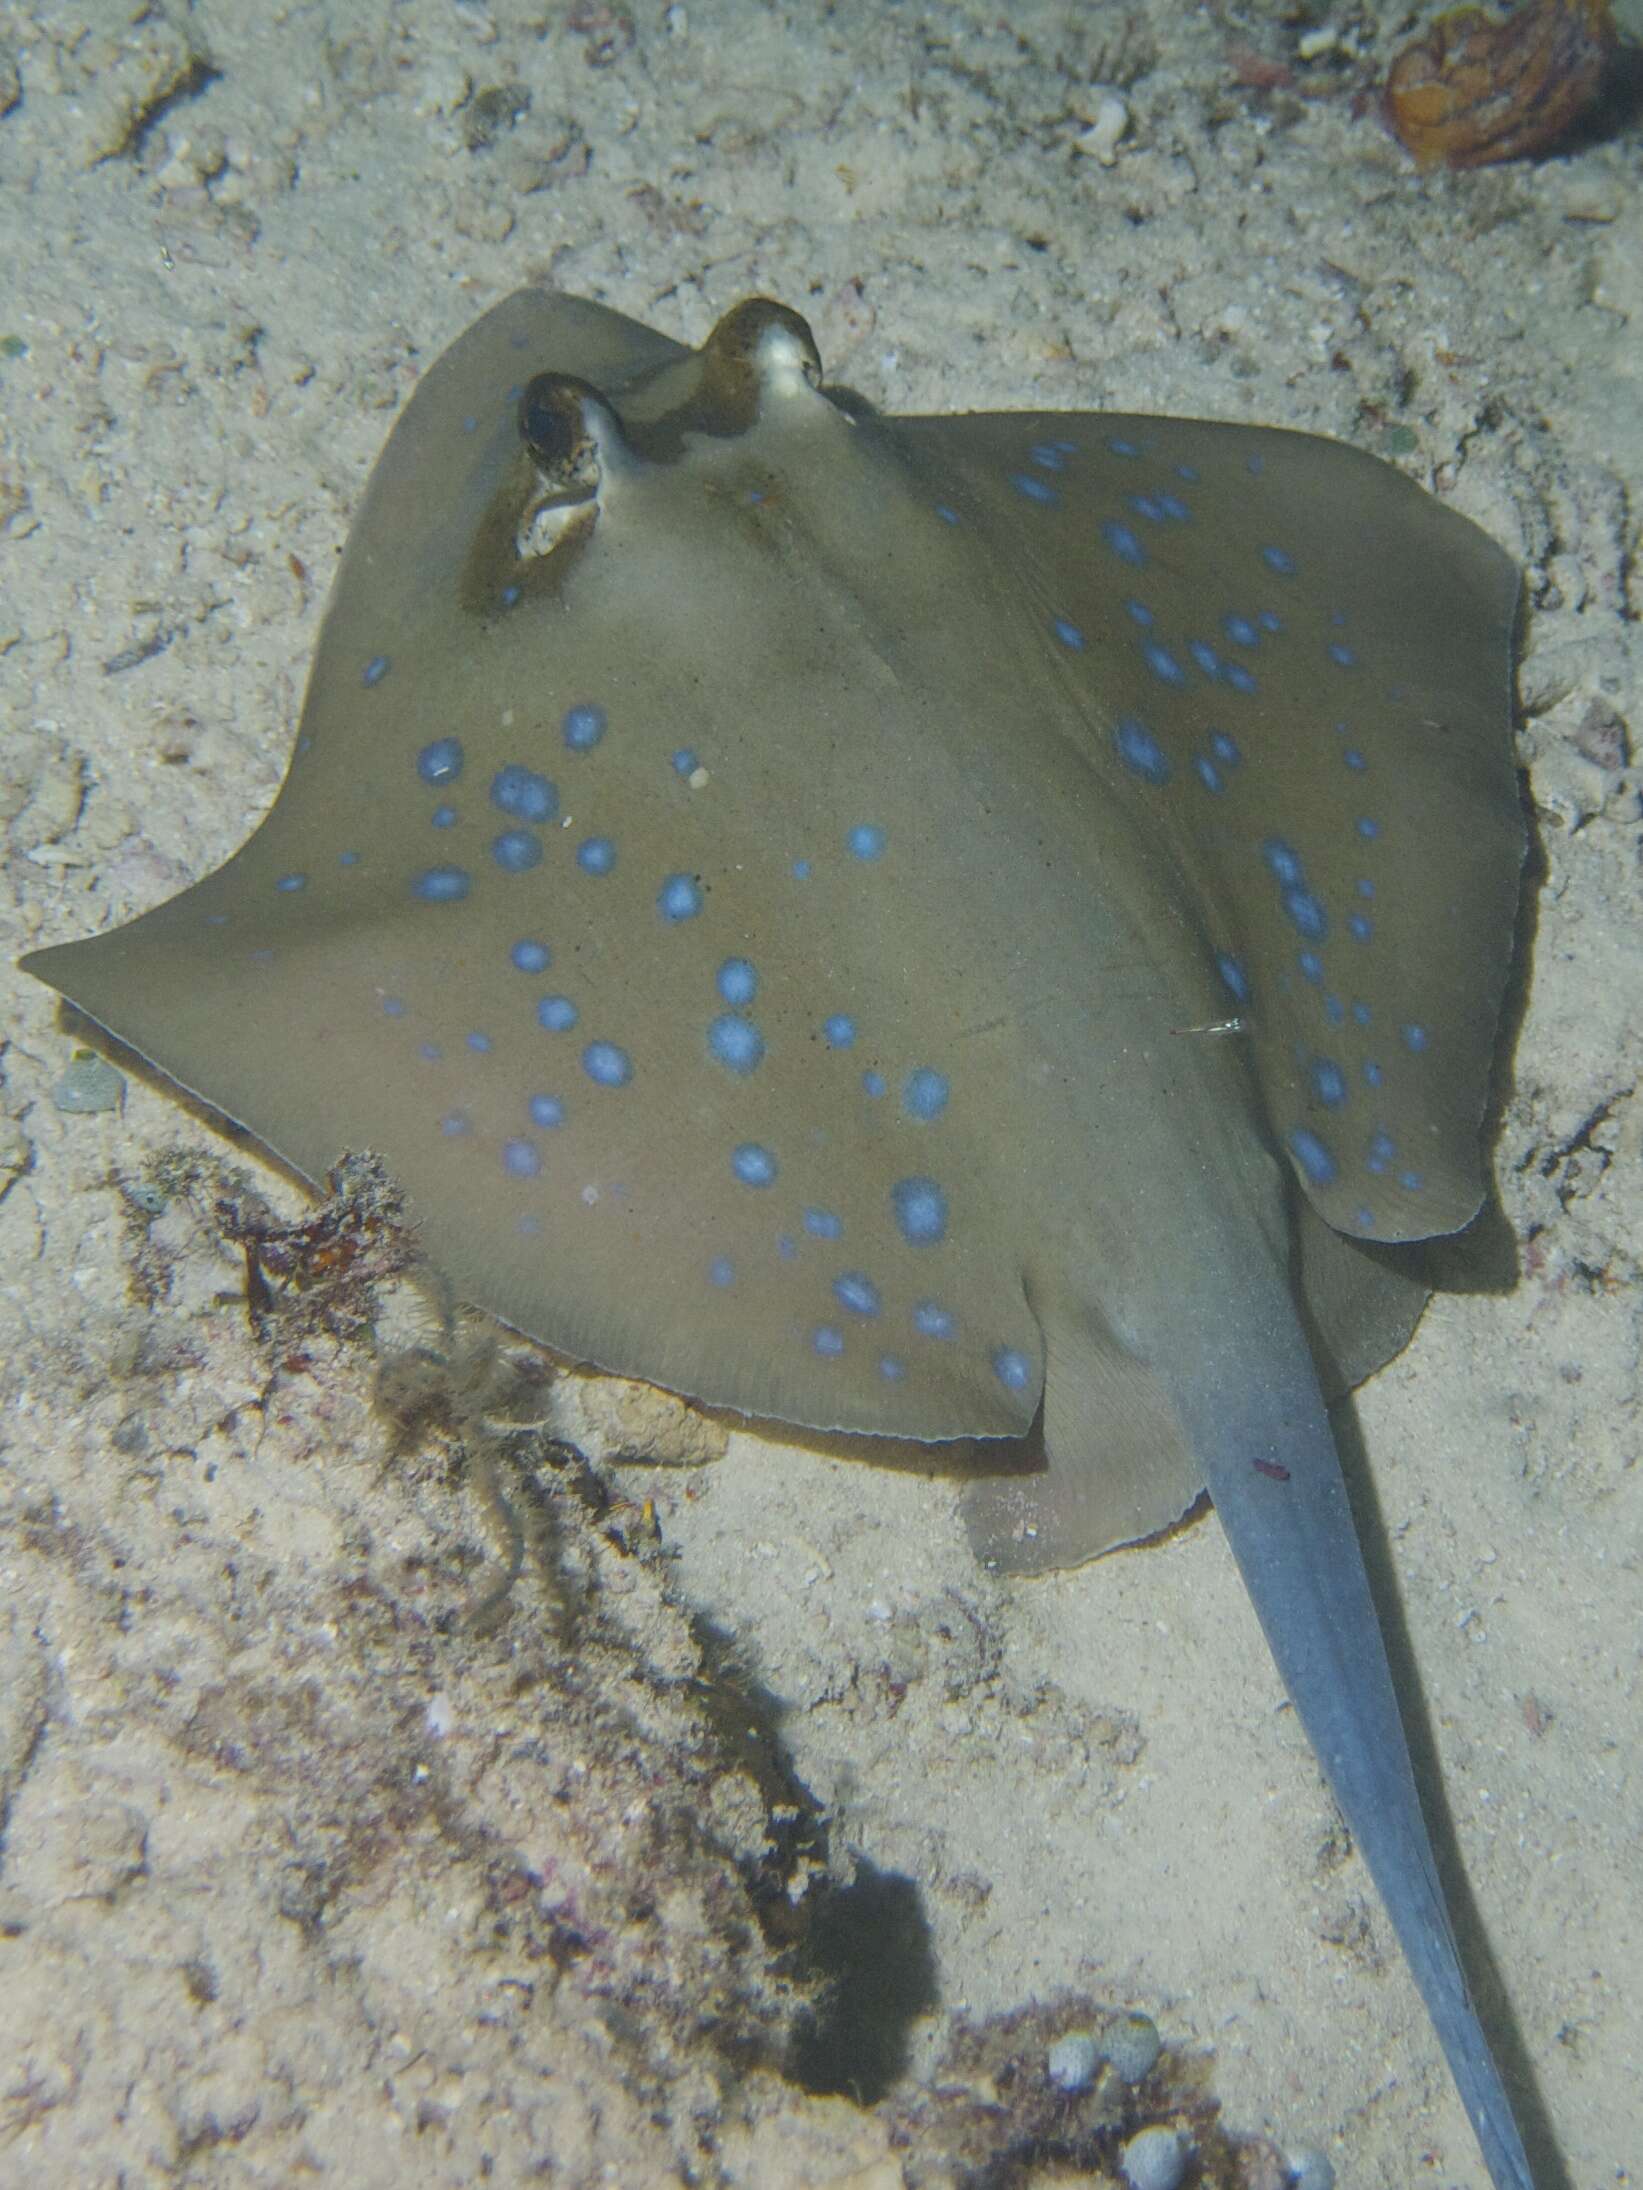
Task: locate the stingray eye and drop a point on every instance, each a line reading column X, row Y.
column 767, row 342
column 561, row 422
column 572, row 438
column 549, row 426
column 759, row 353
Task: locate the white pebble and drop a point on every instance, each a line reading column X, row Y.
column 1155, row 2160
column 1309, row 2170
column 1106, row 128
column 1073, row 2060
column 90, row 1084
column 1132, row 2044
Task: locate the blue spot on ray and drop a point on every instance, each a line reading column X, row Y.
column 441, row 885
column 1306, row 914
column 606, row 1065
column 440, row 762
column 857, row 1292
column 1140, row 751
column 1124, row 543
column 753, row 1164
column 1013, row 1369
column 1313, row 1155
column 1233, row 976
column 516, row 851
column 737, row 981
column 736, row 1043
column 583, row 727
column 924, row 1093
column 679, row 898
column 920, row 1209
column 523, row 794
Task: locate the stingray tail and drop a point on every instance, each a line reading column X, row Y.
column 1276, row 1480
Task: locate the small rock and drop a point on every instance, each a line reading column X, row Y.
column 90, row 1084
column 1600, row 737
column 1156, row 2159
column 1072, row 2061
column 615, row 1419
column 1106, row 129
column 1132, row 2044
column 1310, row 2170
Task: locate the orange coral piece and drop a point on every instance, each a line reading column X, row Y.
column 1474, row 90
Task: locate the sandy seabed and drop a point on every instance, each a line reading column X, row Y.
column 303, row 1877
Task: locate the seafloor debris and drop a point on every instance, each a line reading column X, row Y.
column 321, row 1272
column 1002, row 2110
column 1476, row 88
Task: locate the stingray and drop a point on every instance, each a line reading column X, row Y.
column 916, row 927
